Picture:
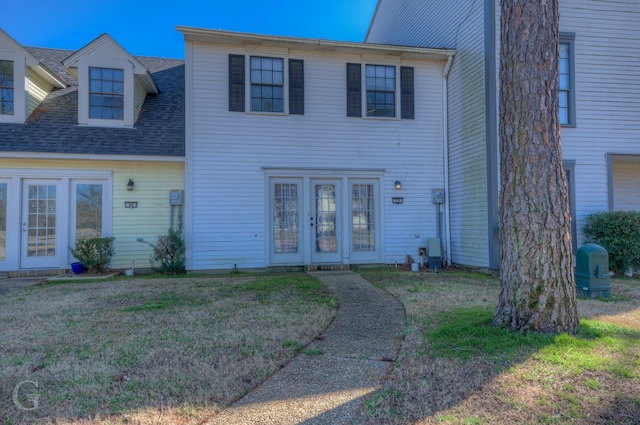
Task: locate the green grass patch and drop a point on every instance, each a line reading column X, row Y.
column 266, row 286
column 293, row 345
column 166, row 300
column 467, row 333
column 314, row 352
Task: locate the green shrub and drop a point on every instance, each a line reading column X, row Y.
column 619, row 233
column 94, row 253
column 168, row 254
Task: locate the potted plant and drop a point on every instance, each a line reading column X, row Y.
column 94, row 254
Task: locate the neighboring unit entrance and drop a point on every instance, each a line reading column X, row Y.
column 42, row 214
column 40, row 241
column 324, row 220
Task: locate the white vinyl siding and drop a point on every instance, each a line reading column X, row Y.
column 139, row 96
column 454, row 24
column 230, row 152
column 467, row 145
column 433, row 23
column 607, row 92
column 37, row 89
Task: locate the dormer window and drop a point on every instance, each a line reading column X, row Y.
column 106, row 93
column 6, row 87
column 112, row 84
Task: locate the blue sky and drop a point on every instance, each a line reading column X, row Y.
column 147, row 27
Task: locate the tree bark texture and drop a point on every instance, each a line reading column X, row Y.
column 537, row 281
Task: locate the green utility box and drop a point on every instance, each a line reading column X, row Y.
column 435, row 253
column 592, row 271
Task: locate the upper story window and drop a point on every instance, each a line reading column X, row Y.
column 272, row 86
column 381, row 90
column 267, row 84
column 567, row 105
column 6, row 87
column 106, row 93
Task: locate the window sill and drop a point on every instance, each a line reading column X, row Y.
column 277, row 114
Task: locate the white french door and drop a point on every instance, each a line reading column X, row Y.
column 318, row 220
column 42, row 232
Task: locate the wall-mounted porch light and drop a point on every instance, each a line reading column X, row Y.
column 397, row 185
column 130, row 185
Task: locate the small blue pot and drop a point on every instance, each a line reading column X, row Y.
column 78, row 268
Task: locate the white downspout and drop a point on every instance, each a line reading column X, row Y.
column 445, row 132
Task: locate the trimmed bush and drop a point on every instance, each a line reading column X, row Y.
column 168, row 254
column 94, row 253
column 619, row 233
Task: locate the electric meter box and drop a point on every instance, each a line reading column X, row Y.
column 592, row 271
column 176, row 197
column 437, row 196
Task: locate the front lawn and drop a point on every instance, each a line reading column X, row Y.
column 143, row 351
column 455, row 368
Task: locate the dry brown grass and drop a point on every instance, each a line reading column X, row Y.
column 161, row 351
column 530, row 387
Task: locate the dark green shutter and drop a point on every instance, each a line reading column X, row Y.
column 296, row 86
column 354, row 90
column 236, row 83
column 407, row 102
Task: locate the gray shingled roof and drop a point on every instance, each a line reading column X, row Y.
column 159, row 130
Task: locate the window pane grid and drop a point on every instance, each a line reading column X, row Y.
column 6, row 87
column 285, row 217
column 564, row 83
column 41, row 227
column 381, row 90
column 106, row 93
column 267, row 81
column 363, row 217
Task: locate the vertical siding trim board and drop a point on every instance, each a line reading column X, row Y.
column 491, row 103
column 354, row 90
column 189, row 208
column 236, row 83
column 407, row 108
column 296, row 86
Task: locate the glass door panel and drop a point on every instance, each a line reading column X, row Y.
column 285, row 218
column 40, row 224
column 326, row 215
column 88, row 210
column 363, row 217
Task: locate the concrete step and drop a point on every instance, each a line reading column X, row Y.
column 36, row 273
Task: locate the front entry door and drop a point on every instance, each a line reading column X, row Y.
column 326, row 221
column 40, row 247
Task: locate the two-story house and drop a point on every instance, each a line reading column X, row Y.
column 311, row 152
column 91, row 144
column 599, row 107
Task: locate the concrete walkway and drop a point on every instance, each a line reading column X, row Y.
column 11, row 284
column 349, row 362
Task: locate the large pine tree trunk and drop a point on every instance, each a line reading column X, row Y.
column 538, row 290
